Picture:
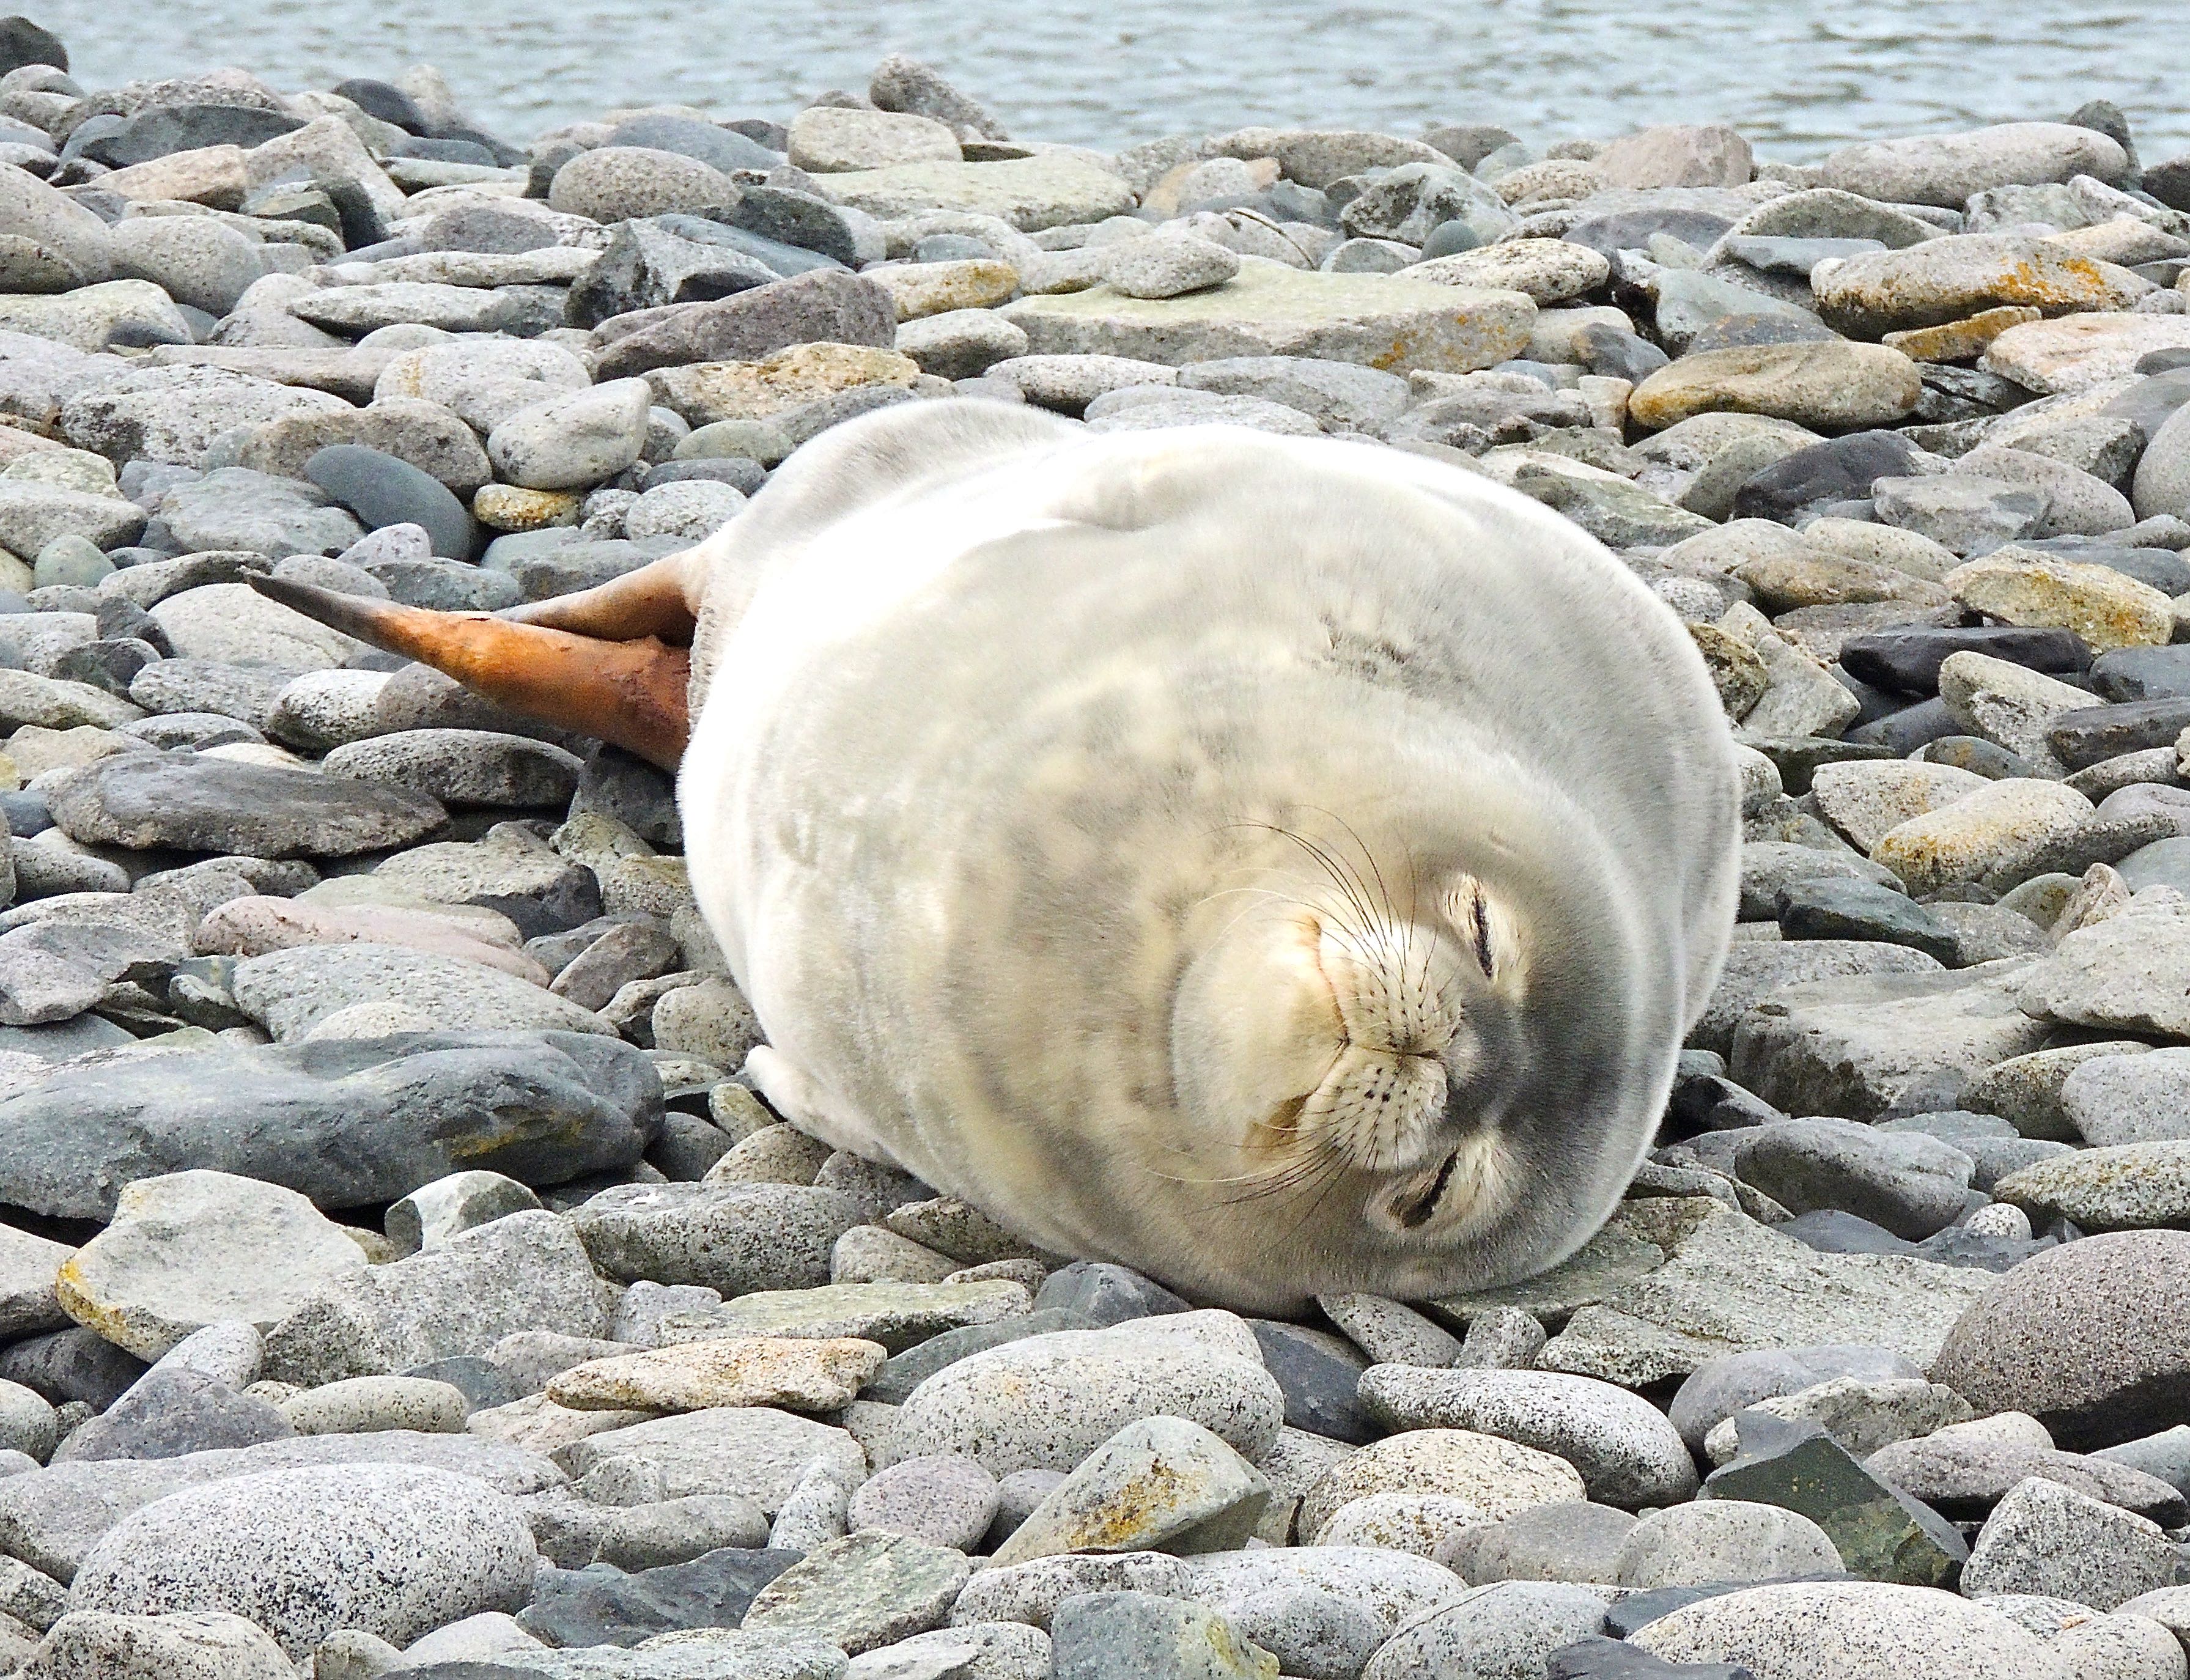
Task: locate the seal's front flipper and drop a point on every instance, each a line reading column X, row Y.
column 601, row 663
column 795, row 1094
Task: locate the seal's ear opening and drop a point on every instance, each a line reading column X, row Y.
column 612, row 662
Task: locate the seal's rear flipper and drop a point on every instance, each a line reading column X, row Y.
column 600, row 663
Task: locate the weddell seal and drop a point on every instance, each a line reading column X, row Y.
column 1280, row 865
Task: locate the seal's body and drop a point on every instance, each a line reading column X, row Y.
column 1282, row 866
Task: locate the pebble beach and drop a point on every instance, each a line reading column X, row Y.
column 398, row 1276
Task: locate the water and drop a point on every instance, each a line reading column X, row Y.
column 1797, row 76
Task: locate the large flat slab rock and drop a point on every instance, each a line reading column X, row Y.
column 1733, row 1285
column 1383, row 320
column 194, row 803
column 349, row 1123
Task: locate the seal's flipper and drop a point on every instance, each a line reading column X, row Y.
column 629, row 690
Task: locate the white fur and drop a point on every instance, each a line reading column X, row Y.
column 1282, row 865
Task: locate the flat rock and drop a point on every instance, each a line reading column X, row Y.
column 2046, row 1538
column 186, row 1250
column 292, row 992
column 1946, row 169
column 803, row 1374
column 222, row 806
column 1385, row 322
column 754, row 1452
column 1838, row 385
column 1951, row 279
column 526, row 1272
column 1862, row 1628
column 863, row 1591
column 892, row 1314
column 1030, row 193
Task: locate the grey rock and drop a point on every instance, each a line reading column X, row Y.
column 186, row 1645
column 1392, row 1586
column 525, row 1272
column 577, row 439
column 1965, row 1471
column 1626, row 1451
column 1575, row 1541
column 863, row 1591
column 2130, row 1100
column 1109, row 1636
column 1896, row 1629
column 168, row 1413
column 1507, row 1628
column 944, row 1500
column 394, row 1550
column 436, row 1211
column 192, row 803
column 599, row 1606
column 1312, row 1634
column 732, row 1237
column 1912, row 1184
column 2043, row 1538
column 291, row 992
column 176, row 414
column 347, row 1122
column 754, row 1452
column 827, row 305
column 462, row 767
column 1161, row 1484
column 1721, row 1540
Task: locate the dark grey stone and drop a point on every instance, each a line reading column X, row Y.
column 1902, row 732
column 483, row 1383
column 1105, row 1293
column 146, row 800
column 383, row 489
column 1630, row 229
column 109, row 665
column 2141, row 673
column 1598, row 1658
column 602, row 1605
column 734, row 470
column 1717, row 1390
column 829, row 304
column 169, row 128
column 349, row 1123
column 383, row 101
column 1317, row 1379
column 172, row 1412
column 446, row 586
column 1838, row 469
column 71, row 1365
column 1880, row 1532
column 1736, row 330
column 660, row 131
column 1975, row 754
column 1907, row 659
column 1830, row 1230
column 901, row 1373
column 22, row 42
column 646, row 266
column 2090, row 734
column 1859, row 910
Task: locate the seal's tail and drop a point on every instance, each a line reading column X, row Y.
column 612, row 662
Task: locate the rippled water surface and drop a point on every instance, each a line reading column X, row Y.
column 1796, row 76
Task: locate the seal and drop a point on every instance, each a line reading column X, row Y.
column 1284, row 866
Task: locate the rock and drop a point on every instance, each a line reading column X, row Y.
column 462, row 767
column 1964, row 1470
column 1721, row 1540
column 89, row 317
column 2080, row 352
column 2128, row 1187
column 1946, row 169
column 1167, row 265
column 2007, row 704
column 1507, row 1628
column 1204, row 1367
column 1732, row 1286
column 360, row 1405
column 1627, row 1452
column 1866, row 800
column 186, row 1250
column 394, row 1550
column 525, row 1272
column 1161, row 1485
column 34, row 515
column 1862, row 1628
column 1385, row 322
column 1964, row 511
column 1391, row 1334
column 755, row 1452
column 1572, row 1541
column 1878, row 1532
column 307, row 988
column 573, row 440
column 1859, row 910
column 824, row 306
column 1837, row 384
column 1912, row 1184
column 944, row 1500
column 1498, row 1478
column 2046, row 1538
column 616, row 183
column 861, row 1591
column 186, row 1645
column 818, row 1375
column 831, row 139
column 583, row 1607
column 62, row 245
column 1320, row 1374
column 776, row 385
column 2128, row 1099
column 347, row 1122
column 961, row 343
column 1860, row 1415
column 2132, row 1367
column 382, row 490
column 1954, row 279
column 176, row 413
column 1961, row 841
column 1546, row 270
column 1109, row 1636
column 734, row 1238
column 2118, row 972
column 2105, row 608
column 1030, row 193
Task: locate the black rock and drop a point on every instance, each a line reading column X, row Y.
column 72, row 1365
column 1882, row 1533
column 1319, row 1381
column 383, row 101
column 602, row 1605
column 688, row 137
column 797, row 218
column 2090, row 734
column 645, row 266
column 22, row 42
column 173, row 1412
column 109, row 665
column 1839, row 469
column 349, row 1123
column 1906, row 660
column 1622, row 355
column 1598, row 1658
column 2167, row 182
column 384, row 490
column 1859, row 910
column 901, row 1373
column 1875, row 703
column 1105, row 1293
column 1976, row 755
column 1710, row 1102
column 170, row 128
column 2141, row 673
